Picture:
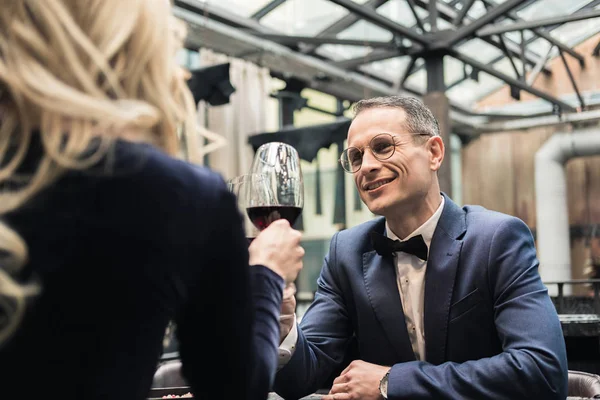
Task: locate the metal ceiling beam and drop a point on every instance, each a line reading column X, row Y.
column 536, row 70
column 373, row 17
column 317, row 72
column 267, row 9
column 522, row 25
column 289, row 39
column 344, row 23
column 510, row 80
column 512, row 62
column 413, row 9
column 407, row 71
column 449, row 14
column 463, row 12
column 469, row 30
column 221, row 14
column 433, row 15
column 546, row 35
column 572, row 79
column 375, row 55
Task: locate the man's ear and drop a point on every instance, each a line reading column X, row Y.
column 436, row 148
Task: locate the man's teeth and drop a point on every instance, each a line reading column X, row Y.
column 377, row 184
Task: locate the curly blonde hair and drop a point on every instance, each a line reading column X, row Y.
column 77, row 71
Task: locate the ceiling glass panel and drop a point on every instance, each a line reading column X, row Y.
column 575, row 32
column 391, row 69
column 244, row 8
column 505, row 66
column 453, row 70
column 550, row 8
column 399, row 11
column 480, row 50
column 339, row 52
column 418, row 81
column 365, row 31
column 516, row 36
column 540, row 46
column 303, row 17
column 477, row 10
column 468, row 92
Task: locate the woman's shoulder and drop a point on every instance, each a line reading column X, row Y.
column 149, row 165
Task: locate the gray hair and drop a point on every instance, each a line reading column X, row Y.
column 419, row 118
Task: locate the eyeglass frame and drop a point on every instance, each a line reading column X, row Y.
column 362, row 152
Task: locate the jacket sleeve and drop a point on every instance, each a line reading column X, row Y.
column 228, row 329
column 533, row 362
column 318, row 356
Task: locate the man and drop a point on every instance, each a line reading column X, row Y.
column 457, row 310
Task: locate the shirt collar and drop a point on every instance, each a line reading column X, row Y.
column 426, row 230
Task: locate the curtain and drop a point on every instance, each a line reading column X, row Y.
column 245, row 114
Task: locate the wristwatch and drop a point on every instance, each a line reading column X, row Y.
column 383, row 385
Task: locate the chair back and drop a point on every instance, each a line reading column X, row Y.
column 168, row 375
column 584, row 384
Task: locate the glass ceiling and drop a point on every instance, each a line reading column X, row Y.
column 465, row 85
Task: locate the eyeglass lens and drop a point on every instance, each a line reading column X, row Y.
column 382, row 146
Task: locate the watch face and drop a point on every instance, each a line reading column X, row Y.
column 383, row 386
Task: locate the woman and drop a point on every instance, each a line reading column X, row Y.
column 104, row 236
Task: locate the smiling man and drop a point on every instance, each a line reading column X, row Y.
column 430, row 300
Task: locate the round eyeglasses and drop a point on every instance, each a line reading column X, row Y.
column 382, row 147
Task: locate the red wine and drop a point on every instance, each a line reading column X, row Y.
column 262, row 217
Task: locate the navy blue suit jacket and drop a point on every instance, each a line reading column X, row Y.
column 491, row 330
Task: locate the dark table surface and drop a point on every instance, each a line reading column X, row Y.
column 158, row 393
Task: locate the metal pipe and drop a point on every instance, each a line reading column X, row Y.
column 552, row 214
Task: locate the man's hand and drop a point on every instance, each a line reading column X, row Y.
column 360, row 380
column 287, row 319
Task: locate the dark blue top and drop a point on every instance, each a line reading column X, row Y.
column 120, row 250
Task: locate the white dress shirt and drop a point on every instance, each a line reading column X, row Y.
column 410, row 275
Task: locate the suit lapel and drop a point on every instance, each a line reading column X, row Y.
column 380, row 282
column 440, row 276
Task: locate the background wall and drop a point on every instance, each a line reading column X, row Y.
column 498, row 168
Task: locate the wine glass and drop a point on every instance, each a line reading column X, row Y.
column 280, row 165
column 242, row 187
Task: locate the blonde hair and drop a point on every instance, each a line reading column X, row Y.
column 77, row 71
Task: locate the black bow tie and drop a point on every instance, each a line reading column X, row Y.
column 386, row 246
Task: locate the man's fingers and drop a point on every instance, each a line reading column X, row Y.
column 340, row 379
column 337, row 388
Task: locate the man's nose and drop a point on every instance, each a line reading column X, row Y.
column 369, row 162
